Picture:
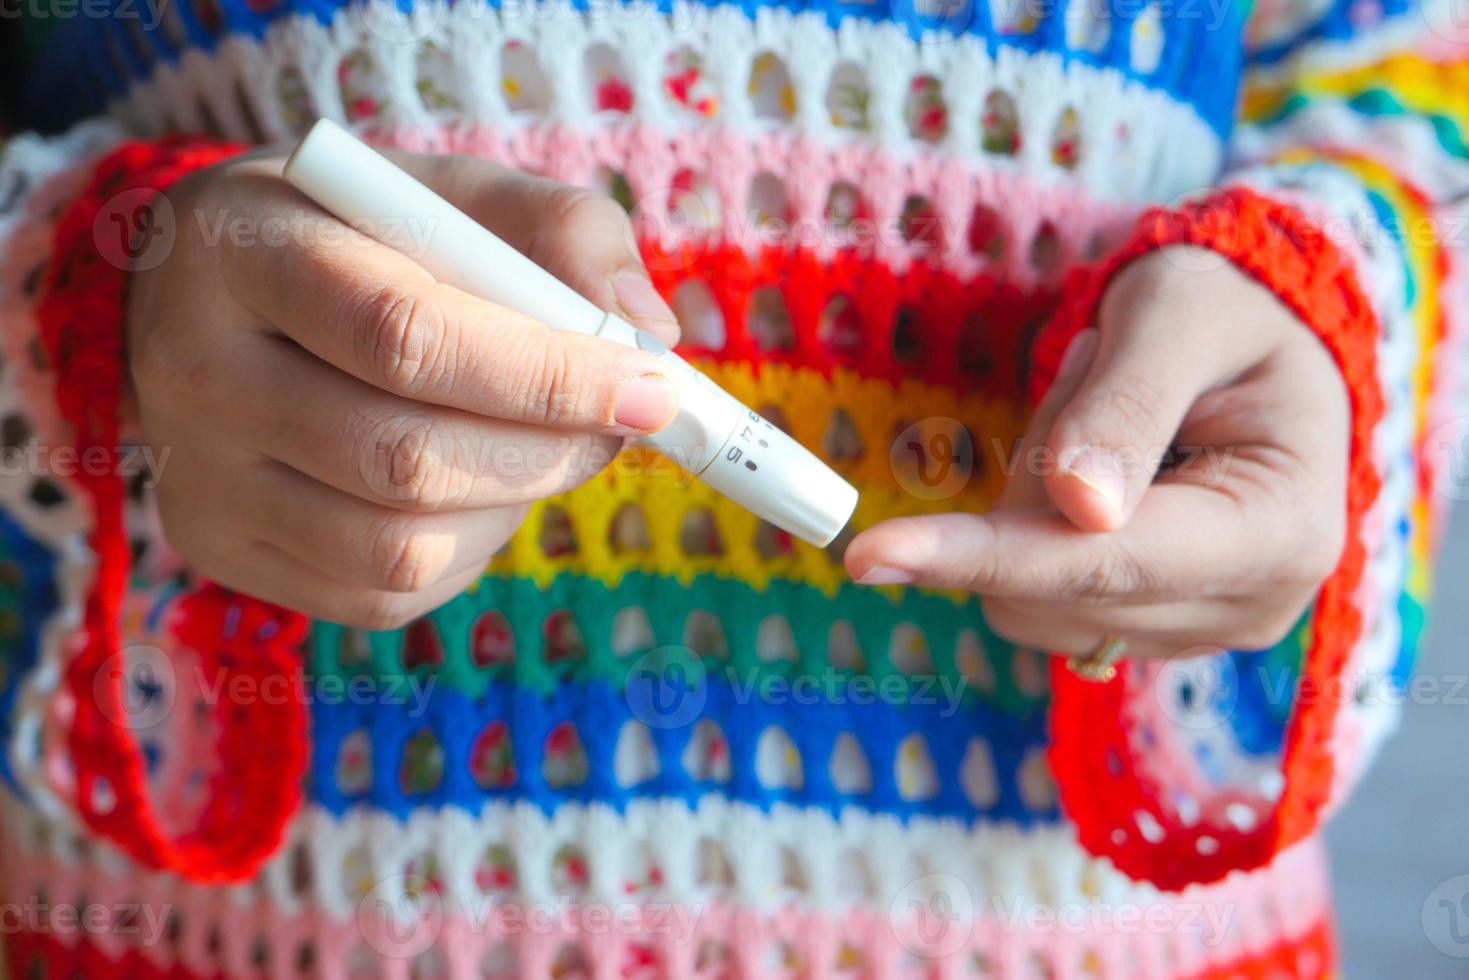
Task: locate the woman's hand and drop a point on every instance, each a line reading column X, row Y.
column 346, row 436
column 1224, row 546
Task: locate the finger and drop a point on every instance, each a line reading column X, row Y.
column 581, row 237
column 354, row 543
column 1294, row 403
column 238, row 556
column 383, row 449
column 1024, row 486
column 265, row 571
column 1166, row 627
column 1072, row 640
column 1186, row 541
column 374, row 313
column 1157, row 352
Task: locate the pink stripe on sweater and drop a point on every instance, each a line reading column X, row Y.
column 726, row 164
column 227, row 931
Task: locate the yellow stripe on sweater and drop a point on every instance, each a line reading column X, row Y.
column 1423, row 86
column 677, row 511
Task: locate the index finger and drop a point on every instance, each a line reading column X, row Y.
column 1186, row 541
column 581, row 237
column 374, row 313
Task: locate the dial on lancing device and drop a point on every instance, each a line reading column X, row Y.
column 749, row 435
column 723, row 442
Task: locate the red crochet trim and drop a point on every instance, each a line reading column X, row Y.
column 1310, row 956
column 924, row 323
column 1093, row 753
column 261, row 747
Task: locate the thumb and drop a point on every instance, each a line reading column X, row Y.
column 1110, row 437
column 1171, row 327
column 581, row 237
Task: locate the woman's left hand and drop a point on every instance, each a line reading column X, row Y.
column 1194, row 362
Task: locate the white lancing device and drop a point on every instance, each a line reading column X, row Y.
column 726, row 444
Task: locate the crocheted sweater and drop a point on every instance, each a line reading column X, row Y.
column 658, row 738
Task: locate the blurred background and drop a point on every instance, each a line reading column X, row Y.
column 1403, row 838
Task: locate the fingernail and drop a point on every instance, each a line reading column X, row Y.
column 883, row 575
column 1099, row 470
column 647, row 402
column 1078, row 353
column 638, row 299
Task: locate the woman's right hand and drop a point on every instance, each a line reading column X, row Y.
column 345, row 436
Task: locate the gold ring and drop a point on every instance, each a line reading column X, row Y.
column 1100, row 665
